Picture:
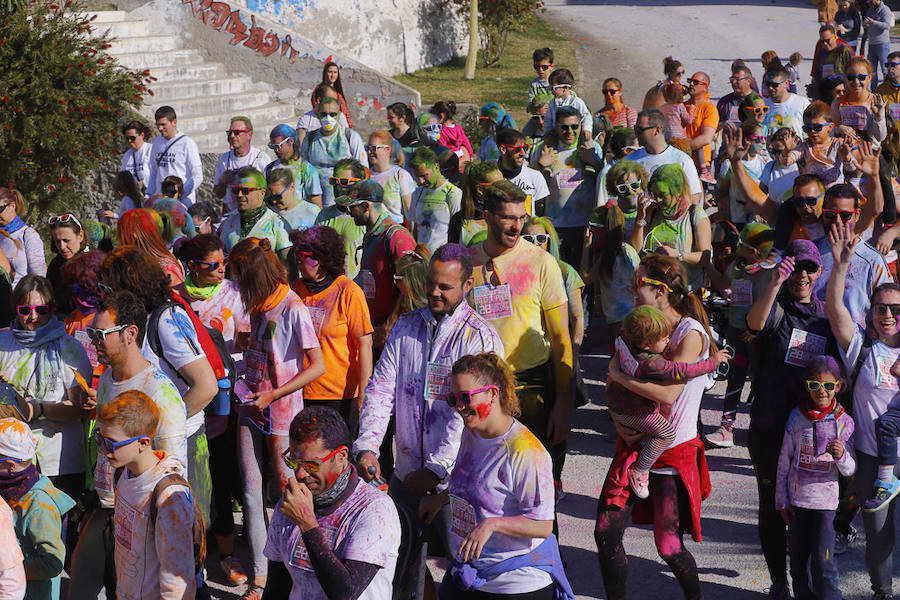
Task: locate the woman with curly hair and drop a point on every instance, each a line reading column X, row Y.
column 340, row 316
column 141, row 227
column 81, row 275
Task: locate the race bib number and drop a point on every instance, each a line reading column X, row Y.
column 437, row 381
column 804, row 347
column 300, row 556
column 570, row 178
column 103, row 476
column 853, row 116
column 809, row 460
column 885, row 380
column 734, row 114
column 89, row 348
column 893, row 109
column 493, row 302
column 256, row 364
column 317, row 314
column 742, row 292
column 462, row 517
column 368, row 283
column 124, row 524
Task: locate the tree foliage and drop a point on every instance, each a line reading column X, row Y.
column 497, row 19
column 62, row 100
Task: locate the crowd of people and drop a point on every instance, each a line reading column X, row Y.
column 383, row 336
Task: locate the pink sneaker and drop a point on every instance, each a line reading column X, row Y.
column 706, row 176
column 639, row 480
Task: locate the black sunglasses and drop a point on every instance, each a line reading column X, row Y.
column 882, row 309
column 807, row 266
column 833, row 213
column 817, row 127
column 808, row 200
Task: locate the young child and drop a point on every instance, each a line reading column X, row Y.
column 542, row 58
column 678, row 115
column 153, row 559
column 821, row 154
column 777, row 179
column 645, row 334
column 793, row 69
column 816, row 448
column 561, row 82
column 753, row 109
column 38, row 508
column 732, row 203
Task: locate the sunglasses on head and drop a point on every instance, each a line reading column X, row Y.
column 26, row 309
column 833, row 213
column 273, row 146
column 807, row 266
column 344, row 181
column 99, row 335
column 808, row 200
column 519, row 148
column 624, row 188
column 817, row 127
column 882, row 309
column 64, row 218
column 238, row 190
column 107, row 446
column 213, row 265
column 814, row 386
column 230, row 132
column 310, row 465
column 465, row 398
column 536, row 238
column 857, row 77
column 574, row 127
column 542, row 67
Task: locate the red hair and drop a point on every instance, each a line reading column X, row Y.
column 140, row 227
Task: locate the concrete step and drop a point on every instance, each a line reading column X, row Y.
column 148, row 44
column 196, row 72
column 151, row 60
column 108, row 16
column 229, row 104
column 177, row 90
column 217, row 123
column 123, row 29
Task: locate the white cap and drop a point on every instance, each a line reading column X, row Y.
column 17, row 440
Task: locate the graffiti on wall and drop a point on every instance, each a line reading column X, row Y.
column 221, row 17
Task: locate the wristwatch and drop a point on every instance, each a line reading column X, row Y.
column 641, row 222
column 681, row 257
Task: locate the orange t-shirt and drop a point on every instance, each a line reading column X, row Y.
column 340, row 315
column 76, row 322
column 705, row 115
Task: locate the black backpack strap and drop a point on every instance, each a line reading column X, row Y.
column 153, row 335
column 864, row 353
column 165, row 152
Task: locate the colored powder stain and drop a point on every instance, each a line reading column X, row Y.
column 270, row 330
column 483, row 410
column 521, row 278
column 525, row 442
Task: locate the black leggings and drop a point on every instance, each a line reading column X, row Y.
column 449, row 591
column 670, row 500
column 765, row 447
column 225, row 484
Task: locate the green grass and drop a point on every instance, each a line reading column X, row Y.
column 505, row 83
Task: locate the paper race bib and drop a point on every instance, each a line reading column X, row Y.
column 885, row 380
column 893, row 109
column 808, row 460
column 570, row 178
column 317, row 314
column 368, row 283
column 256, row 366
column 89, row 348
column 103, row 476
column 300, row 556
column 437, row 381
column 124, row 524
column 804, row 347
column 462, row 516
column 853, row 116
column 742, row 292
column 493, row 302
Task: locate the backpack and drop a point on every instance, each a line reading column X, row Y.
column 198, row 527
column 211, row 341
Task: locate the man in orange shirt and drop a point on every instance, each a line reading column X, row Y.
column 703, row 127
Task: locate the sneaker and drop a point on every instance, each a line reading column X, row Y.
column 885, row 491
column 842, row 541
column 234, row 572
column 780, row 591
column 706, row 176
column 723, row 437
column 640, row 481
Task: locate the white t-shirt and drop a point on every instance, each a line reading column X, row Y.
column 875, row 391
column 365, row 528
column 431, row 211
column 787, row 114
column 178, row 156
column 779, row 180
column 310, row 122
column 532, row 183
column 229, row 162
column 671, row 155
column 170, row 432
column 396, row 182
column 506, row 476
column 18, row 364
column 138, row 163
column 180, row 345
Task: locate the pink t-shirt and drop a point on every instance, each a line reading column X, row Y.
column 677, row 118
column 454, row 137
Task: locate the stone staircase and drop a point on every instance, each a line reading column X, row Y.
column 203, row 95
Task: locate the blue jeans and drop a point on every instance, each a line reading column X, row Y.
column 811, row 538
column 877, row 55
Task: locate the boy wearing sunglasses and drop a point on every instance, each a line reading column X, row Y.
column 154, row 506
column 38, row 508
